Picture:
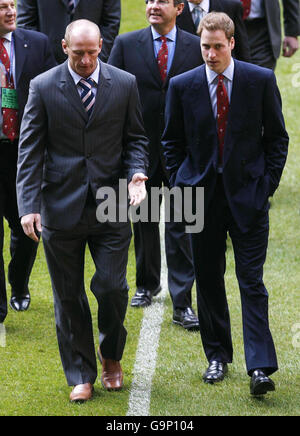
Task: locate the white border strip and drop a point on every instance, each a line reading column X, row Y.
column 145, row 363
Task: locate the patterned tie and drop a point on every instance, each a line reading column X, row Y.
column 162, row 58
column 87, row 95
column 10, row 125
column 197, row 16
column 71, row 6
column 247, row 8
column 222, row 111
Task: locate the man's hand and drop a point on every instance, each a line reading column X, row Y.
column 290, row 46
column 30, row 224
column 137, row 189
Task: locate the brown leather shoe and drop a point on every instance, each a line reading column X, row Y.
column 83, row 392
column 112, row 374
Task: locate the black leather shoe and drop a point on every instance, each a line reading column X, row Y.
column 260, row 383
column 20, row 304
column 215, row 372
column 143, row 297
column 186, row 318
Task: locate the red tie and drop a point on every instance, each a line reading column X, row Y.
column 162, row 58
column 247, row 8
column 222, row 114
column 10, row 116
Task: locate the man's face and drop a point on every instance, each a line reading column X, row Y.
column 83, row 50
column 216, row 50
column 7, row 16
column 162, row 12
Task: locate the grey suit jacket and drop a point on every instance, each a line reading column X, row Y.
column 291, row 21
column 52, row 17
column 62, row 152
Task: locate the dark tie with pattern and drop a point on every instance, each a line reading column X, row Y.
column 162, row 58
column 247, row 8
column 87, row 95
column 10, row 126
column 71, row 6
column 222, row 114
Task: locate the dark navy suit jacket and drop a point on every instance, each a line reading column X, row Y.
column 256, row 141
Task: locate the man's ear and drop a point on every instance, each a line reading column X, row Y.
column 64, row 46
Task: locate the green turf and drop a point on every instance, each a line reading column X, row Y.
column 31, row 377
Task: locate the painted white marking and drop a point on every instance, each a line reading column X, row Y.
column 145, row 363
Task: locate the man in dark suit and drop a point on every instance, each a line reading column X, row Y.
column 263, row 24
column 225, row 132
column 138, row 53
column 82, row 130
column 52, row 18
column 23, row 55
column 195, row 10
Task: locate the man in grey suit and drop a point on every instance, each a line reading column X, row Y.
column 263, row 24
column 52, row 17
column 82, row 130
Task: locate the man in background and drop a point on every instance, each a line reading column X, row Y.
column 195, row 10
column 23, row 55
column 263, row 24
column 154, row 55
column 52, row 17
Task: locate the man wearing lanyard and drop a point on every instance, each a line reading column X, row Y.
column 154, row 55
column 23, row 55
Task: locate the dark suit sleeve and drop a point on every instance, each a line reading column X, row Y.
column 27, row 14
column 109, row 25
column 291, row 17
column 173, row 138
column 135, row 143
column 116, row 57
column 275, row 137
column 242, row 48
column 31, row 153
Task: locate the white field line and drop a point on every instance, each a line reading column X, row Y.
column 2, row 336
column 145, row 363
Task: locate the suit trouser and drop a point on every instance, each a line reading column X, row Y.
column 22, row 249
column 65, row 253
column 250, row 249
column 178, row 252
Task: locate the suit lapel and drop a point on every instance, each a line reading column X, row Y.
column 65, row 2
column 145, row 47
column 104, row 89
column 70, row 91
column 238, row 110
column 21, row 46
column 180, row 54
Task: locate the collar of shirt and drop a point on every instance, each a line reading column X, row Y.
column 203, row 5
column 7, row 36
column 228, row 73
column 76, row 77
column 171, row 36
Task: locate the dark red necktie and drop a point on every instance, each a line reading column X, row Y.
column 222, row 114
column 162, row 58
column 10, row 116
column 247, row 8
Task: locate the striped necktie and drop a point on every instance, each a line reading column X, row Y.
column 87, row 95
column 71, row 6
